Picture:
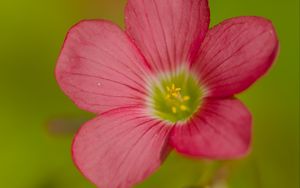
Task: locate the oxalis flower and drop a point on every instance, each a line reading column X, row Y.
column 165, row 82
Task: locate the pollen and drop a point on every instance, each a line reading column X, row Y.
column 175, row 97
column 173, row 91
column 183, row 108
column 174, row 109
column 186, row 98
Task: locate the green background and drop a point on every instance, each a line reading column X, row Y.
column 38, row 120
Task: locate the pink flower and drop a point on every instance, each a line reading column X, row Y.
column 167, row 82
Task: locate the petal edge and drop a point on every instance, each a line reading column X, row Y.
column 235, row 54
column 120, row 148
column 168, row 32
column 96, row 62
column 220, row 130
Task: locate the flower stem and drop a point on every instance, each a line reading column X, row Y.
column 215, row 175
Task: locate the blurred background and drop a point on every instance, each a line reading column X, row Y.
column 38, row 121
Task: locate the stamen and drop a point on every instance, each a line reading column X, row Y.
column 175, row 100
column 186, row 98
column 174, row 109
column 183, row 108
column 173, row 91
column 175, row 95
column 173, row 86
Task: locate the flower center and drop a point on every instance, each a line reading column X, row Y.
column 175, row 97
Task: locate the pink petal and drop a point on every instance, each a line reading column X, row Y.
column 235, row 54
column 168, row 32
column 120, row 148
column 220, row 130
column 99, row 68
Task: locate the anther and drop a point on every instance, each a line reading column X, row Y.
column 173, row 86
column 183, row 108
column 186, row 98
column 175, row 95
column 174, row 109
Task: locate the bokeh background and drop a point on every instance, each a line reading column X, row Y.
column 38, row 121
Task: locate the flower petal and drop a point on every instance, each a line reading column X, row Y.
column 99, row 68
column 235, row 54
column 220, row 130
column 168, row 32
column 120, row 148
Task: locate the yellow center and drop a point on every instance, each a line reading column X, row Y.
column 175, row 99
